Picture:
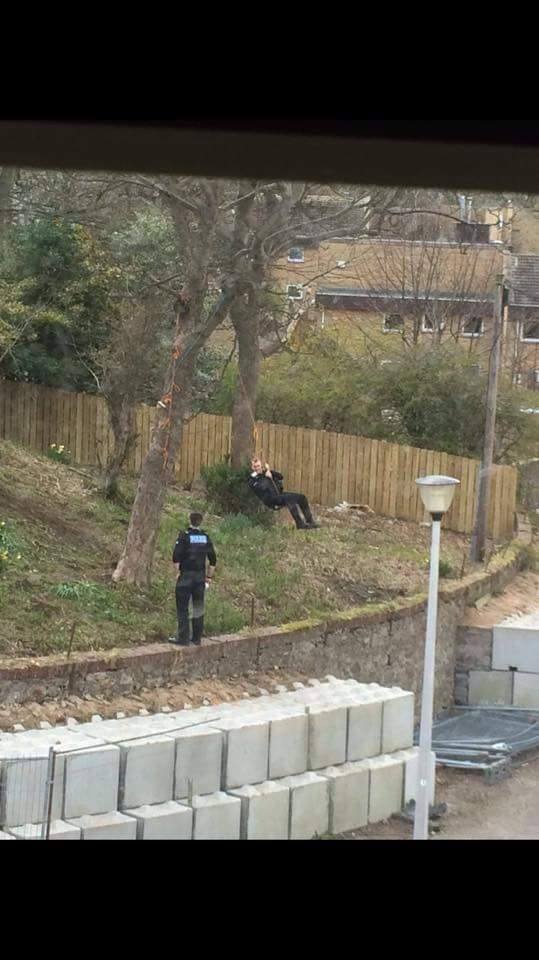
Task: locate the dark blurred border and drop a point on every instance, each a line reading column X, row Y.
column 487, row 156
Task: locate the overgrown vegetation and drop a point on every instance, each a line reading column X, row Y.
column 228, row 493
column 63, row 538
column 431, row 397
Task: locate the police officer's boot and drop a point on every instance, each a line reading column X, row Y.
column 197, row 624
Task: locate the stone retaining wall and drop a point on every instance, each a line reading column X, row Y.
column 383, row 645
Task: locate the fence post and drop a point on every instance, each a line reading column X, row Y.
column 47, row 812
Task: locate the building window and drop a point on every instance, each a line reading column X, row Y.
column 474, row 327
column 530, row 331
column 393, row 323
column 536, row 372
column 294, row 292
column 296, row 255
column 429, row 325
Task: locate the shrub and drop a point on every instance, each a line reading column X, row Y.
column 58, row 453
column 228, row 493
column 446, row 570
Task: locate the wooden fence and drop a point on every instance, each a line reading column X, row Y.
column 327, row 467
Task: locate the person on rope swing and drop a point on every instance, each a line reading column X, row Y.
column 268, row 486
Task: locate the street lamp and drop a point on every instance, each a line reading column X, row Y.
column 437, row 494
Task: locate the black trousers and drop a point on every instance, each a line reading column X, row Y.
column 295, row 502
column 190, row 588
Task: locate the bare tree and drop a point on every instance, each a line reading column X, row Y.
column 420, row 288
column 270, row 218
column 127, row 366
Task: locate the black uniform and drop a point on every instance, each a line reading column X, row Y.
column 192, row 550
column 272, row 495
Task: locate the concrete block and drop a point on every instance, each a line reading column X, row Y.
column 198, row 759
column 397, row 720
column 364, row 729
column 216, row 817
column 309, row 805
column 288, row 744
column 264, row 811
column 107, row 826
column 5, row 836
column 526, row 690
column 348, row 796
column 516, row 644
column 410, row 759
column 327, row 736
column 386, row 795
column 163, row 821
column 23, row 785
column 146, row 771
column 490, row 687
column 91, row 781
column 245, row 751
column 59, row 830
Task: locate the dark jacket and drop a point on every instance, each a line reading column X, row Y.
column 191, row 550
column 267, row 490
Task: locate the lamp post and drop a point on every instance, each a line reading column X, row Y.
column 436, row 493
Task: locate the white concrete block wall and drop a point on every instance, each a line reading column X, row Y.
column 526, row 690
column 386, row 793
column 327, row 735
column 490, row 687
column 146, row 771
column 515, row 643
column 23, row 784
column 59, row 830
column 410, row 758
column 365, row 729
column 288, row 743
column 198, row 760
column 5, row 836
column 309, row 805
column 348, row 796
column 216, row 817
column 271, row 744
column 397, row 720
column 163, row 821
column 245, row 751
column 92, row 778
column 107, row 826
column 265, row 811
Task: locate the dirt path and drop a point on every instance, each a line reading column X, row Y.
column 520, row 596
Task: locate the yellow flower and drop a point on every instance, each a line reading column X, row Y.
column 53, row 446
column 61, row 449
column 19, row 556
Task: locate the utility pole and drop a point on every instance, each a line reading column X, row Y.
column 479, row 536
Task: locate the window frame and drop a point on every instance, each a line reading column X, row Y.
column 295, row 286
column 300, row 259
column 472, row 336
column 522, row 331
column 399, row 329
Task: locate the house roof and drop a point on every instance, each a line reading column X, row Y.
column 524, row 281
column 381, row 294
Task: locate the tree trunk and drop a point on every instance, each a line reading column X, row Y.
column 192, row 331
column 244, row 406
column 122, row 421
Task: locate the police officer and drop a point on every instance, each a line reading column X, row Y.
column 268, row 486
column 192, row 550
